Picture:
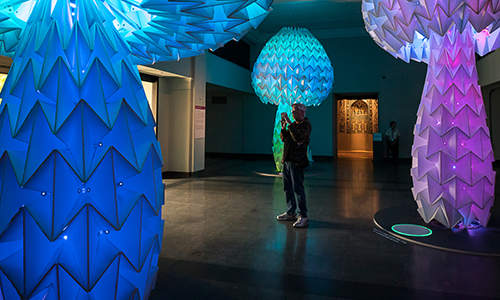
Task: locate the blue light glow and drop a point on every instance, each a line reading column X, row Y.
column 74, row 118
column 293, row 67
column 155, row 30
column 51, row 118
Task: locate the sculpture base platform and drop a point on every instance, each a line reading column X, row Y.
column 272, row 172
column 480, row 241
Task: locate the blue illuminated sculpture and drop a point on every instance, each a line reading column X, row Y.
column 156, row 30
column 80, row 169
column 293, row 67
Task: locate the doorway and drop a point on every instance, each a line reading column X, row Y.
column 3, row 77
column 357, row 120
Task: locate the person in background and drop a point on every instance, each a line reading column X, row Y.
column 295, row 140
column 392, row 136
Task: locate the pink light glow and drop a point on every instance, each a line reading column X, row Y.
column 452, row 148
column 472, row 195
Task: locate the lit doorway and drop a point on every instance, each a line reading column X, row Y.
column 150, row 85
column 357, row 120
column 3, row 77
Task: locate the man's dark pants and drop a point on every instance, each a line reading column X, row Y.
column 293, row 184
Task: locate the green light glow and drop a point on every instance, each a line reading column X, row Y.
column 421, row 228
column 277, row 143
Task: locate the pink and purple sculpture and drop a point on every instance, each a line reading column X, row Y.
column 453, row 178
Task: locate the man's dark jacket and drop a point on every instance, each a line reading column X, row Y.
column 295, row 141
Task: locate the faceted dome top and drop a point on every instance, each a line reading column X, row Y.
column 403, row 27
column 293, row 67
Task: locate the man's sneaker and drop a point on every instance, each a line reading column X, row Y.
column 286, row 217
column 301, row 222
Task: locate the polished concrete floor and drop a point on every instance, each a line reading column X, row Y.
column 222, row 240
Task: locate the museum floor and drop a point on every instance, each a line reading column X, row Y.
column 222, row 240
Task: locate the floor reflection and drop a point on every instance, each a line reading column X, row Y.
column 222, row 240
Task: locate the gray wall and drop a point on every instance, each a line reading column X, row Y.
column 174, row 129
column 180, row 97
column 488, row 69
column 244, row 124
column 491, row 98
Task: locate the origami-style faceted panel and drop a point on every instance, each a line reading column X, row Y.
column 277, row 144
column 452, row 172
column 154, row 30
column 80, row 168
column 293, row 67
column 403, row 28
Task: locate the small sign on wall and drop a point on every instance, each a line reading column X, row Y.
column 377, row 137
column 199, row 122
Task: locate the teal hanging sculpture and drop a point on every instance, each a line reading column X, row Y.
column 292, row 68
column 81, row 187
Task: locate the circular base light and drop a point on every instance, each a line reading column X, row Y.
column 411, row 230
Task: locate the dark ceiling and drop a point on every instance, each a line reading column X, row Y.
column 323, row 18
